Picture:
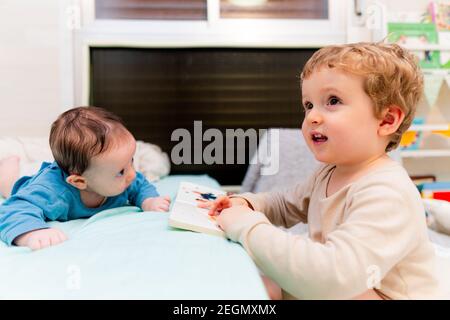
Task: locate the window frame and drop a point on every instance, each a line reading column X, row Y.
column 213, row 32
column 221, row 31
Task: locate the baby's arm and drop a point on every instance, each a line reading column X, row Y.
column 39, row 239
column 22, row 218
column 144, row 195
column 160, row 204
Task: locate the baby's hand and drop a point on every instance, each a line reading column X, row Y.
column 222, row 202
column 40, row 239
column 160, row 204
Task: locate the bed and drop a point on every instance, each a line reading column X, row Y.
column 127, row 254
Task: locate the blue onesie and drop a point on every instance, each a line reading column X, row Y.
column 47, row 196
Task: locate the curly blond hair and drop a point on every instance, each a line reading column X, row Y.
column 391, row 76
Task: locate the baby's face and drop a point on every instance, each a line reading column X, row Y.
column 340, row 126
column 111, row 172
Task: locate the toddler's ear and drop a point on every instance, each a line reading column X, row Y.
column 77, row 181
column 392, row 118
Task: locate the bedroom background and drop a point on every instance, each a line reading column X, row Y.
column 49, row 53
column 165, row 72
column 59, row 54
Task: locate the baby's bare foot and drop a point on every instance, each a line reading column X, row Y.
column 9, row 173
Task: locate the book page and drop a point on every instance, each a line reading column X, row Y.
column 194, row 194
column 186, row 214
column 194, row 218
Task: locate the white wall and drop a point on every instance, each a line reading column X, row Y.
column 30, row 68
column 401, row 6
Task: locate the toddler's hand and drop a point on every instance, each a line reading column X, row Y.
column 231, row 220
column 222, row 202
column 40, row 239
column 160, row 204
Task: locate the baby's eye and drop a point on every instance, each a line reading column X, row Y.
column 334, row 100
column 120, row 174
column 308, row 105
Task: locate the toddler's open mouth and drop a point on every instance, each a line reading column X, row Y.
column 318, row 137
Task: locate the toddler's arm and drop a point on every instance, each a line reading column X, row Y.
column 381, row 227
column 215, row 207
column 283, row 208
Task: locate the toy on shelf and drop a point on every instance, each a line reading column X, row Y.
column 445, row 133
column 411, row 139
column 417, row 36
column 439, row 14
column 435, row 190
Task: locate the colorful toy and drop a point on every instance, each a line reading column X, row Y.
column 411, row 139
column 436, row 190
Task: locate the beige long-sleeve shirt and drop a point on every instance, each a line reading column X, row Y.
column 371, row 233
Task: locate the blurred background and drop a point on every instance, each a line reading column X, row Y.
column 162, row 64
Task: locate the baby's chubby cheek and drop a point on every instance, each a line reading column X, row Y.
column 113, row 189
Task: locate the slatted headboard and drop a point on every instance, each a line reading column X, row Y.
column 156, row 91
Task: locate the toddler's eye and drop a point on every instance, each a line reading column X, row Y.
column 333, row 101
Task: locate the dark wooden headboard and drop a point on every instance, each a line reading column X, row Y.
column 156, row 91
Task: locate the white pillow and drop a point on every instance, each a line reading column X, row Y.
column 149, row 158
column 438, row 215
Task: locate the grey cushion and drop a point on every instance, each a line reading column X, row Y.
column 296, row 162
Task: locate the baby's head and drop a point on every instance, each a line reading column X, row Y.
column 359, row 99
column 95, row 149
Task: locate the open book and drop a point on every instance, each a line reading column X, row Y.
column 187, row 215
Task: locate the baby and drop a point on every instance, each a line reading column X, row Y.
column 367, row 232
column 93, row 171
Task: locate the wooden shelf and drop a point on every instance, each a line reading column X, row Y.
column 428, row 47
column 436, row 72
column 425, row 153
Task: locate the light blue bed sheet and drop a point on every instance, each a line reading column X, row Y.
column 127, row 254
